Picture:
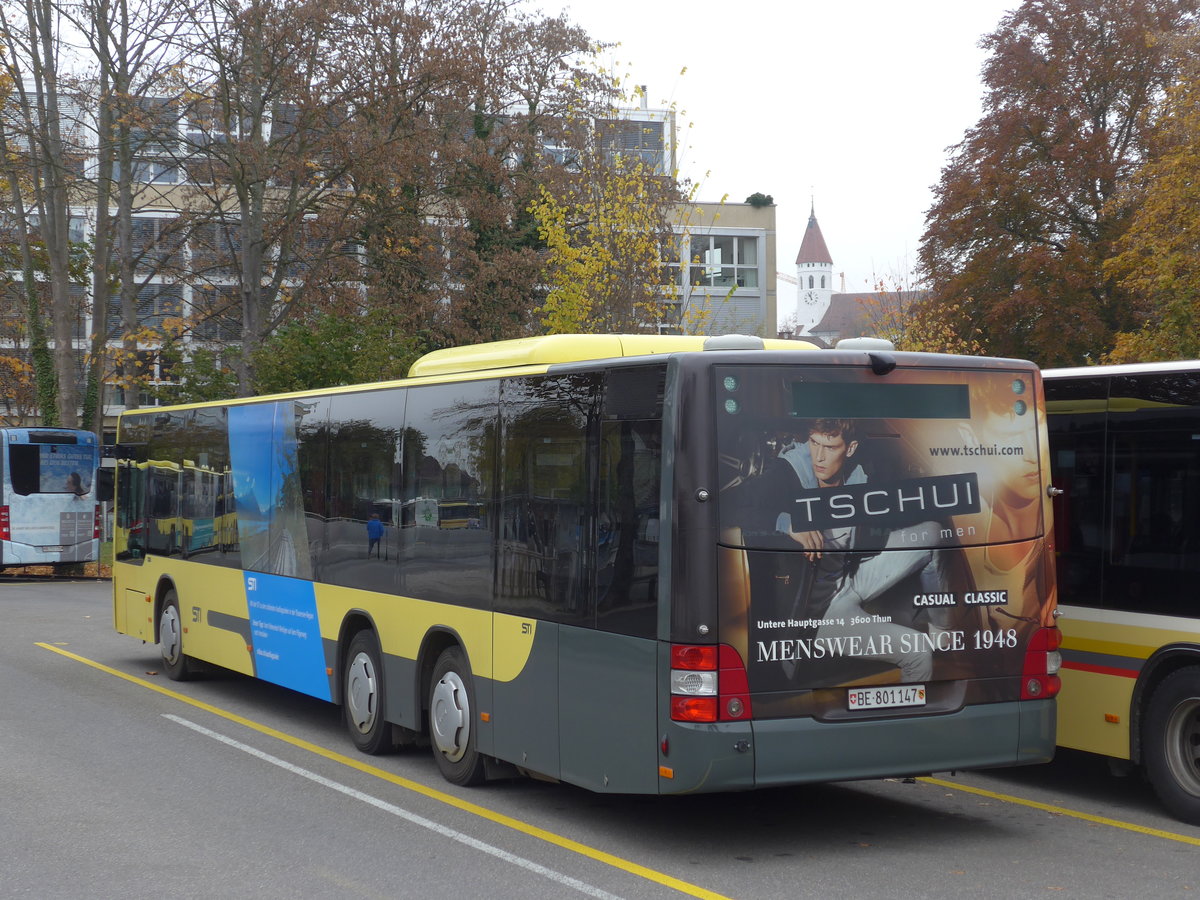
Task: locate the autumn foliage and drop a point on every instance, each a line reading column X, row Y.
column 609, row 240
column 1157, row 259
column 1032, row 202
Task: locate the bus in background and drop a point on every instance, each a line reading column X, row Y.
column 670, row 564
column 1125, row 452
column 49, row 514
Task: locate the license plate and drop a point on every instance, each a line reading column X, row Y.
column 889, row 697
column 58, row 548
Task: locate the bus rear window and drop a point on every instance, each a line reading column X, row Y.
column 948, row 457
column 51, row 468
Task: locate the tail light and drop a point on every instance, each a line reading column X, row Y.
column 1039, row 678
column 708, row 684
column 96, row 523
column 5, row 524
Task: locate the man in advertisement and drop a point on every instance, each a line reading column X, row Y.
column 842, row 581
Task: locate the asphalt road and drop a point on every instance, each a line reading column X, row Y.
column 116, row 782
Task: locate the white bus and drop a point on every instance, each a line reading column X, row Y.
column 49, row 514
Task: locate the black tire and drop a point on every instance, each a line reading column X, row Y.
column 170, row 640
column 1171, row 743
column 452, row 730
column 364, row 695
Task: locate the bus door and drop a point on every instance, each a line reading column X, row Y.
column 581, row 459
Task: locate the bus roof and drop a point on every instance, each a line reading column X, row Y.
column 553, row 349
column 1143, row 368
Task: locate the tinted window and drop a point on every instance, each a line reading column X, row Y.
column 361, row 546
column 1076, row 417
column 312, row 448
column 52, row 468
column 627, row 532
column 1154, row 440
column 546, row 424
column 168, row 443
column 208, row 511
column 448, row 514
column 129, row 538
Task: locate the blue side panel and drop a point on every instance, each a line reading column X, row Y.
column 286, row 634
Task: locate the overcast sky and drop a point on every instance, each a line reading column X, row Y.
column 848, row 105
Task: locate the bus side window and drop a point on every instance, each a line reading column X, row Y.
column 130, row 534
column 544, row 567
column 627, row 503
column 627, row 533
column 1153, row 429
column 104, row 484
column 1077, row 429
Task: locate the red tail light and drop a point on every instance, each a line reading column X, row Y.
column 5, row 524
column 1039, row 678
column 708, row 684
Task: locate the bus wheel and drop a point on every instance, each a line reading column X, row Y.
column 170, row 639
column 363, row 695
column 451, row 722
column 1172, row 743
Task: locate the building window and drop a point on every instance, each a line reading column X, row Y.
column 724, row 260
column 157, row 243
column 156, row 303
column 634, row 141
column 215, row 247
column 810, row 282
column 822, row 282
column 216, row 313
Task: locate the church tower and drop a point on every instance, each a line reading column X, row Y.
column 814, row 276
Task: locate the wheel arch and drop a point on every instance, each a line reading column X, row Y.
column 1164, row 662
column 165, row 583
column 437, row 640
column 353, row 622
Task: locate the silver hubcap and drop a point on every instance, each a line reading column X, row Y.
column 362, row 692
column 1183, row 745
column 450, row 716
column 169, row 636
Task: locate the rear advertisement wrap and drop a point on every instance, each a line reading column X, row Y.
column 879, row 531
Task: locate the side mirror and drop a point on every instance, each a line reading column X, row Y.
column 104, row 484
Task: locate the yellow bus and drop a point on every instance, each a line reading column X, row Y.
column 1125, row 445
column 664, row 564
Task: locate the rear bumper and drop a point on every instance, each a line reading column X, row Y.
column 792, row 751
column 730, row 756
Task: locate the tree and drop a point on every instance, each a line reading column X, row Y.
column 270, row 108
column 42, row 144
column 137, row 49
column 610, row 243
column 1028, row 206
column 1157, row 259
column 905, row 314
column 450, row 240
column 329, row 350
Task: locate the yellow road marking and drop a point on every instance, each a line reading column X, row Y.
column 1063, row 811
column 416, row 787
